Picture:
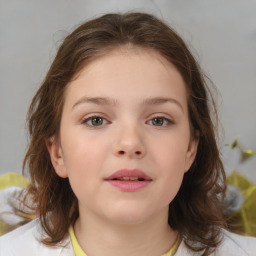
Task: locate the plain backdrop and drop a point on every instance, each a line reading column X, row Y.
column 221, row 34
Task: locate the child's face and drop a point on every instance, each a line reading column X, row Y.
column 126, row 111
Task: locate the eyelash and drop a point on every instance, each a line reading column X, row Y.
column 90, row 118
column 168, row 121
column 85, row 121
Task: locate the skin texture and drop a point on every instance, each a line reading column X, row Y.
column 126, row 90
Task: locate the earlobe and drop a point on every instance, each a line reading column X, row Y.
column 56, row 155
column 192, row 150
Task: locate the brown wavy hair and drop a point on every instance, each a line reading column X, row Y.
column 196, row 212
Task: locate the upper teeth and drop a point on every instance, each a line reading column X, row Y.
column 130, row 178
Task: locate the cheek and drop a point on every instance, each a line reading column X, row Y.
column 172, row 169
column 170, row 161
column 83, row 161
column 83, row 167
column 172, row 173
column 83, row 150
column 170, row 154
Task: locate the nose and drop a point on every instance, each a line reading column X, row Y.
column 129, row 143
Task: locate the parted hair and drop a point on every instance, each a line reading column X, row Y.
column 196, row 212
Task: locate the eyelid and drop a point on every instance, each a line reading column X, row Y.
column 163, row 116
column 86, row 118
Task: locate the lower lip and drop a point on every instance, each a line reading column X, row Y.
column 129, row 186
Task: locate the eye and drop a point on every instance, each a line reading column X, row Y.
column 160, row 121
column 95, row 121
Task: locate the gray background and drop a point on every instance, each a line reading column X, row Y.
column 221, row 34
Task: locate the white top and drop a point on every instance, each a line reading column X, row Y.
column 24, row 241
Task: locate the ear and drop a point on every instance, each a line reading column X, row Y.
column 56, row 155
column 192, row 150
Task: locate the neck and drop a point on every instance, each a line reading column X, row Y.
column 100, row 237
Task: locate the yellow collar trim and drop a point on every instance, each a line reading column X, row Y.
column 79, row 252
column 174, row 248
column 77, row 249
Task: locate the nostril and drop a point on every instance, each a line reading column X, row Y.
column 122, row 152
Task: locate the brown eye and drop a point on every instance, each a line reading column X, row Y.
column 95, row 121
column 160, row 121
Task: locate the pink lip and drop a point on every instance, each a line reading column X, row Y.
column 129, row 185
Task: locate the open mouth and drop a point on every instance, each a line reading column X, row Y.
column 129, row 180
column 129, row 175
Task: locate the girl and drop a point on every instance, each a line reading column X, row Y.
column 123, row 157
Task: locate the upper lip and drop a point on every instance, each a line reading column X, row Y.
column 129, row 173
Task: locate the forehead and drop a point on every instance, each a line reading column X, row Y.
column 133, row 70
column 127, row 51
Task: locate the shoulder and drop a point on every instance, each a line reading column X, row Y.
column 26, row 241
column 231, row 245
column 234, row 244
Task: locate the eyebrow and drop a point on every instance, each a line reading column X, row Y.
column 95, row 100
column 162, row 100
column 105, row 101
